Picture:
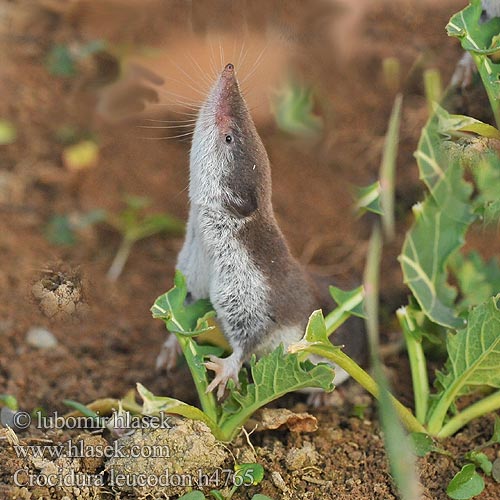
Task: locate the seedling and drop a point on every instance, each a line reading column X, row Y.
column 466, row 483
column 293, row 110
column 64, row 229
column 63, row 59
column 244, row 475
column 134, row 225
column 9, row 401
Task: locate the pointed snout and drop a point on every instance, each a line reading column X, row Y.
column 228, row 72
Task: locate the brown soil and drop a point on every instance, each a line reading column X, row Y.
column 111, row 341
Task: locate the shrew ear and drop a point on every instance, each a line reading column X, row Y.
column 242, row 204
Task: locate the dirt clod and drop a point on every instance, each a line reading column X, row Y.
column 171, row 462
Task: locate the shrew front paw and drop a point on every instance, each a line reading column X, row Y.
column 224, row 369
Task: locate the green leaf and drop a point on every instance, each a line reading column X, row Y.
column 60, row 61
column 293, row 111
column 259, row 496
column 440, row 223
column 453, row 124
column 473, row 35
column 273, row 376
column 466, row 484
column 480, row 40
column 60, row 231
column 86, row 412
column 154, row 405
column 186, row 321
column 250, row 474
column 349, row 303
column 193, row 495
column 178, row 317
column 217, row 495
column 9, row 401
column 368, row 199
column 474, row 356
column 422, row 443
column 438, row 231
column 478, row 280
column 474, row 352
column 495, row 471
column 480, row 460
column 486, row 172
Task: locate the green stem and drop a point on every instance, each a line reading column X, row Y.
column 486, row 405
column 418, row 366
column 438, row 415
column 480, row 61
column 341, row 314
column 358, row 374
column 207, row 401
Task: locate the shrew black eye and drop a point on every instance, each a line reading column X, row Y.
column 229, row 138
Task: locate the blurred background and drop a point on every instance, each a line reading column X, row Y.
column 93, row 195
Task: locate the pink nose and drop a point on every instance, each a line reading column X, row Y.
column 228, row 71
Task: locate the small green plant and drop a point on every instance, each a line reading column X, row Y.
column 134, row 225
column 293, row 108
column 244, row 475
column 9, row 401
column 466, row 483
column 63, row 59
column 64, row 229
column 271, row 376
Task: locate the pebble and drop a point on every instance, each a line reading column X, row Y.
column 41, row 338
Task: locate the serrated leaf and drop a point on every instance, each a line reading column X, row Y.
column 473, row 359
column 466, row 484
column 368, row 199
column 273, row 376
column 474, row 352
column 181, row 318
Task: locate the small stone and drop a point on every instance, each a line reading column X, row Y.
column 298, row 458
column 41, row 338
